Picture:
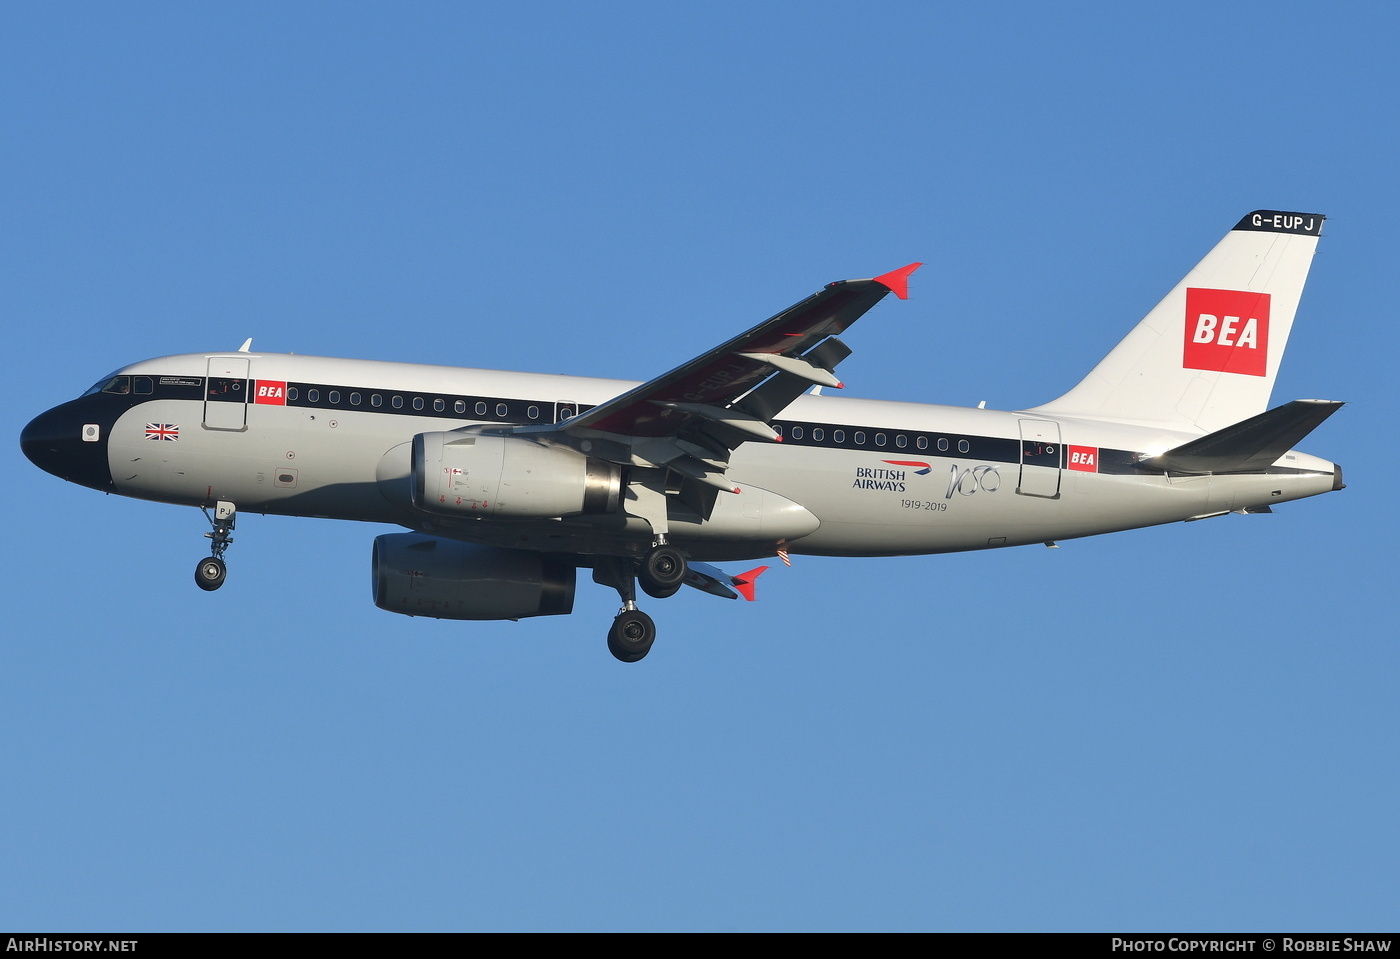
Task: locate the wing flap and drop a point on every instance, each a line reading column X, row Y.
column 716, row 582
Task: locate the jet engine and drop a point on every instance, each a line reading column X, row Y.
column 466, row 472
column 426, row 576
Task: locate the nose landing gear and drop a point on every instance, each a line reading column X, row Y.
column 211, row 572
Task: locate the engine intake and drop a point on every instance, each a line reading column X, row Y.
column 425, row 576
column 466, row 472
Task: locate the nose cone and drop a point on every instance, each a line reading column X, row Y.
column 70, row 442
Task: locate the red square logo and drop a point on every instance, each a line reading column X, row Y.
column 271, row 392
column 1227, row 330
column 1084, row 458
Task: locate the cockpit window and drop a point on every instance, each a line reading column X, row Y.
column 102, row 385
column 117, row 384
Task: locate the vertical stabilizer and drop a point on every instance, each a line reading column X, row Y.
column 1206, row 356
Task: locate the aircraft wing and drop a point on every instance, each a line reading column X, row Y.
column 797, row 345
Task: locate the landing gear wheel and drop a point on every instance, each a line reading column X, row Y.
column 662, row 568
column 656, row 592
column 631, row 635
column 210, row 573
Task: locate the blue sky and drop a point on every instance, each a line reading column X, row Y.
column 1191, row 727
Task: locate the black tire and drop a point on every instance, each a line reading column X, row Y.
column 631, row 636
column 662, row 568
column 210, row 573
column 659, row 592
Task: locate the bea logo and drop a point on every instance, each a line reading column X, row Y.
column 1084, row 458
column 271, row 392
column 1227, row 330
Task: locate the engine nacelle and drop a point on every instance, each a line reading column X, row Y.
column 468, row 472
column 426, row 576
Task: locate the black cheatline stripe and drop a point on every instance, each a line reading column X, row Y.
column 993, row 449
column 996, row 449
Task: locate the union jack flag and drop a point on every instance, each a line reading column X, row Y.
column 162, row 431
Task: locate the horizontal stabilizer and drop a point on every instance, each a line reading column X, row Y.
column 1250, row 445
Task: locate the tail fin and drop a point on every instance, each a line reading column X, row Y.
column 1206, row 356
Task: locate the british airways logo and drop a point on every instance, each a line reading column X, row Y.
column 919, row 467
column 889, row 480
column 869, row 477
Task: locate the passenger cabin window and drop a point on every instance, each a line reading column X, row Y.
column 922, row 443
column 943, row 444
column 565, row 412
column 963, row 446
column 418, row 402
column 438, row 405
column 481, row 409
column 354, row 399
column 335, row 396
column 900, row 441
column 533, row 412
column 460, row 406
column 313, row 396
column 797, row 432
column 396, row 402
column 860, row 437
column 376, row 400
column 879, row 439
column 501, row 410
column 818, row 433
column 838, row 436
column 292, row 392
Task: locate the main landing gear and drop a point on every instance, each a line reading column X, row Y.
column 661, row 572
column 631, row 635
column 211, row 572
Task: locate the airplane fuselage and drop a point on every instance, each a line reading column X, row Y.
column 314, row 436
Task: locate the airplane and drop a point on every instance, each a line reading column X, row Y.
column 509, row 483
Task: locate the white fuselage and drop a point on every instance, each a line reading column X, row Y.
column 852, row 477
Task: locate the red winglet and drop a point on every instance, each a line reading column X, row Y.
column 898, row 280
column 744, row 582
